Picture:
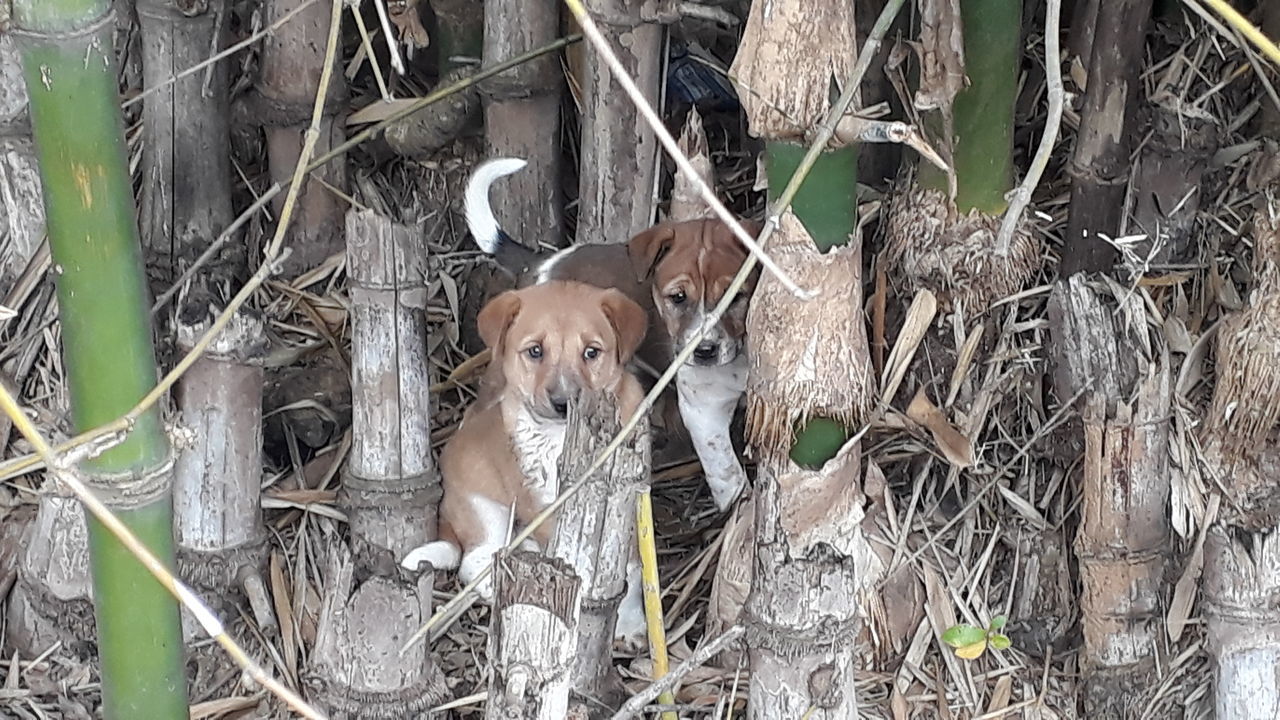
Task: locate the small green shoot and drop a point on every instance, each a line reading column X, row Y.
column 970, row 642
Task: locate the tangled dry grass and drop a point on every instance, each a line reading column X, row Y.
column 997, row 537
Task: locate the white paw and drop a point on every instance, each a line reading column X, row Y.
column 631, row 634
column 726, row 492
column 440, row 554
column 473, row 563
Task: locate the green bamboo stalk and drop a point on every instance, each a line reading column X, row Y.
column 827, row 205
column 70, row 71
column 982, row 151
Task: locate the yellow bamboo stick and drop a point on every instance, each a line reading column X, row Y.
column 652, row 596
column 1246, row 28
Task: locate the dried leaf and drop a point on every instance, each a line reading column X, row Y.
column 1001, row 695
column 284, row 612
column 954, row 445
column 1079, row 75
column 899, row 705
column 686, row 202
column 941, row 54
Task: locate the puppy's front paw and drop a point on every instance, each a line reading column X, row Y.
column 631, row 634
column 473, row 563
column 726, row 492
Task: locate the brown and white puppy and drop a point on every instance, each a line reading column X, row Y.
column 550, row 342
column 691, row 265
column 677, row 272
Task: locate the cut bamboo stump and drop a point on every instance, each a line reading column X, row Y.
column 595, row 533
column 292, row 60
column 53, row 596
column 390, row 489
column 1124, row 531
column 218, row 475
column 532, row 637
column 1242, row 581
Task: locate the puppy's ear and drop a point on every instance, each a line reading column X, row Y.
column 647, row 248
column 496, row 316
column 630, row 322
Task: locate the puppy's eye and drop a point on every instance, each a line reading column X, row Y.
column 591, row 353
column 678, row 297
column 534, row 351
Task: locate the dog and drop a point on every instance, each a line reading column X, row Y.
column 676, row 271
column 550, row 342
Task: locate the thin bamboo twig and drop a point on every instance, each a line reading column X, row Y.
column 62, row 470
column 652, row 596
column 1246, row 28
column 708, row 195
column 31, row 461
column 668, row 683
column 366, row 42
column 1021, row 197
column 823, row 136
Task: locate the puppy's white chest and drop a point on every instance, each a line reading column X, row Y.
column 712, row 388
column 538, row 446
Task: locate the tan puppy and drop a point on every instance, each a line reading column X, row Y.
column 499, row 470
column 691, row 265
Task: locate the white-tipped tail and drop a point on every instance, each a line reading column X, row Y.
column 480, row 220
column 442, row 554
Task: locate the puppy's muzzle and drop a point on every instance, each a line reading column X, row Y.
column 707, row 352
column 555, row 405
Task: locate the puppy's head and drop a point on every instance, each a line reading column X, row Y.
column 556, row 339
column 692, row 264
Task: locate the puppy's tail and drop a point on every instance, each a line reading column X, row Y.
column 442, row 554
column 480, row 220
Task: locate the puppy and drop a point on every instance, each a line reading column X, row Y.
column 690, row 266
column 499, row 470
column 677, row 272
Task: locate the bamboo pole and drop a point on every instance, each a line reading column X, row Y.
column 70, row 72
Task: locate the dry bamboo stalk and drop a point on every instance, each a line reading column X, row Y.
column 522, row 118
column 218, row 473
column 291, row 62
column 619, row 149
column 1124, row 531
column 186, row 197
column 1242, row 553
column 390, row 489
column 595, row 533
column 21, row 201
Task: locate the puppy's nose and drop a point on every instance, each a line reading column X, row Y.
column 706, row 350
column 559, row 403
